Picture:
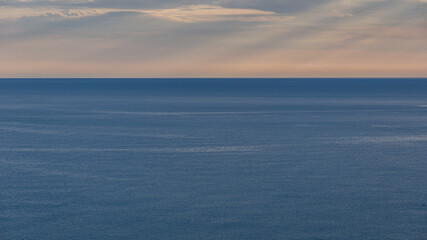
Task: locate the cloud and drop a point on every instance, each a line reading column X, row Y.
column 282, row 6
column 17, row 13
column 342, row 14
column 207, row 13
column 188, row 14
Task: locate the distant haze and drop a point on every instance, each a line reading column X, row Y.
column 222, row 38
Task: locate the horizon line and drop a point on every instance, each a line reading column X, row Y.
column 403, row 77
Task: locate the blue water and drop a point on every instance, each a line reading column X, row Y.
column 213, row 159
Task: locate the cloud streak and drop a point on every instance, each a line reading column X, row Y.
column 188, row 14
column 208, row 13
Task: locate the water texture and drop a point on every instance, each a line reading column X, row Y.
column 213, row 159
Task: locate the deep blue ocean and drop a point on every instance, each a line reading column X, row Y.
column 213, row 159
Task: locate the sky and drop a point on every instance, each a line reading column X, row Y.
column 213, row 38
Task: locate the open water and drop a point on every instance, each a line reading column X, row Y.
column 213, row 159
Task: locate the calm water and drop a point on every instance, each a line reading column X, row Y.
column 213, row 159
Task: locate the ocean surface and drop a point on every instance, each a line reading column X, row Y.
column 213, row 159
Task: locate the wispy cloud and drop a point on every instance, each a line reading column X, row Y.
column 8, row 13
column 189, row 14
column 207, row 13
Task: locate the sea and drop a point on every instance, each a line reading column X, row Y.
column 213, row 159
